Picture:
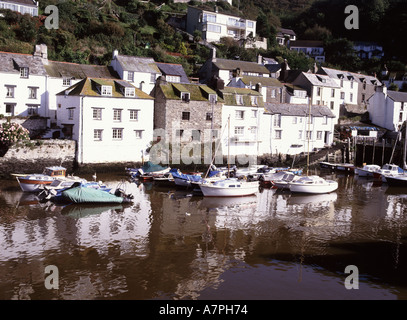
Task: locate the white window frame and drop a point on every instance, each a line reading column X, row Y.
column 239, row 114
column 278, row 134
column 10, row 91
column 239, row 131
column 106, row 91
column 130, row 92
column 117, row 133
column 98, row 134
column 134, row 114
column 71, row 113
column 66, row 82
column 97, row 113
column 24, row 72
column 117, row 115
column 32, row 92
column 130, row 76
column 138, row 134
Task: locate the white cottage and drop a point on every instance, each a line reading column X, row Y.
column 388, row 109
column 294, row 129
column 22, row 85
column 111, row 120
column 140, row 71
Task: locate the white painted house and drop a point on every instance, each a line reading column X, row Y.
column 21, row 6
column 294, row 129
column 388, row 109
column 322, row 89
column 22, row 85
column 111, row 120
column 244, row 107
column 139, row 71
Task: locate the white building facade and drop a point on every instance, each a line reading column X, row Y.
column 293, row 129
column 111, row 120
column 21, row 6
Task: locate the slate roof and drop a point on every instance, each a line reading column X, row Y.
column 299, row 110
column 306, row 44
column 244, row 66
column 23, row 2
column 264, row 81
column 397, row 96
column 228, row 94
column 171, row 69
column 138, row 64
column 90, row 87
column 283, row 31
column 59, row 69
column 12, row 62
column 320, row 80
column 198, row 92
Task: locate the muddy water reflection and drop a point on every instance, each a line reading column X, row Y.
column 172, row 245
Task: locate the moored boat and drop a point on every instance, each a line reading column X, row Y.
column 367, row 170
column 83, row 194
column 231, row 187
column 33, row 182
column 397, row 181
column 313, row 184
column 388, row 170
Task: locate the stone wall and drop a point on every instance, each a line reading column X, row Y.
column 35, row 125
column 32, row 157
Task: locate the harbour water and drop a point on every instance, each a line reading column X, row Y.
column 170, row 244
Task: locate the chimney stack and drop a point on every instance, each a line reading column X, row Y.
column 115, row 53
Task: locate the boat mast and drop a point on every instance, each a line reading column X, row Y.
column 228, row 146
column 309, row 131
column 405, row 146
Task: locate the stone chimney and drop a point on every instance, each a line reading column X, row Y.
column 115, row 54
column 213, row 51
column 258, row 87
column 259, row 59
column 41, row 50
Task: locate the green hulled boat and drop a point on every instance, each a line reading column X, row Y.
column 91, row 195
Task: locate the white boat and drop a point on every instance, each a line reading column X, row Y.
column 397, row 181
column 283, row 180
column 367, row 170
column 390, row 170
column 231, row 187
column 313, row 184
column 33, row 182
column 249, row 171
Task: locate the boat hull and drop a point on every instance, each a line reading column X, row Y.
column 313, row 188
column 217, row 191
column 33, row 185
column 396, row 181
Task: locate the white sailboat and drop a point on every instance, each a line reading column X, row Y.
column 229, row 187
column 312, row 184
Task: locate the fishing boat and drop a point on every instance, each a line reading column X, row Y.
column 33, row 182
column 231, row 187
column 313, row 185
column 367, row 170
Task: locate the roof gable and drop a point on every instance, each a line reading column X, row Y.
column 244, row 66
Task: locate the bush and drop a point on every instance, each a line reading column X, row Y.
column 11, row 132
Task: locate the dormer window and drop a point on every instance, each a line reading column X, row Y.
column 254, row 101
column 106, row 91
column 185, row 96
column 24, row 72
column 239, row 99
column 66, row 82
column 129, row 92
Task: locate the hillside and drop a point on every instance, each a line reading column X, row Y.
column 89, row 31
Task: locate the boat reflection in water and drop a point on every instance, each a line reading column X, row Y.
column 84, row 210
column 319, row 200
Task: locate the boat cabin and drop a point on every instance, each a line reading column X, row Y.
column 57, row 172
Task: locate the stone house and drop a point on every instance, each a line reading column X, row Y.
column 186, row 112
column 111, row 120
column 21, row 6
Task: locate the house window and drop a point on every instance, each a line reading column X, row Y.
column 253, row 130
column 295, row 119
column 129, row 92
column 325, row 120
column 401, row 117
column 10, row 109
column 277, row 134
column 139, row 134
column 342, row 95
column 130, row 76
column 239, row 130
column 333, row 93
column 71, row 113
column 254, row 113
column 32, row 92
column 351, row 84
column 273, row 93
column 364, row 86
column 214, row 28
column 318, row 91
column 277, row 120
column 185, row 96
column 351, row 97
column 117, row 115
column 179, row 132
column 239, row 99
column 152, row 78
column 97, row 134
column 66, row 82
column 319, row 135
column 332, row 105
column 176, row 79
column 9, row 91
column 97, row 114
column 24, row 72
column 250, row 24
column 363, row 97
column 185, row 115
column 239, row 114
column 300, row 134
column 106, row 90
column 134, row 115
column 309, row 135
column 213, row 98
column 209, row 116
column 254, row 101
column 117, row 134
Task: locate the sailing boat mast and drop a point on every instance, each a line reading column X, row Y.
column 405, row 146
column 228, row 146
column 309, row 131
